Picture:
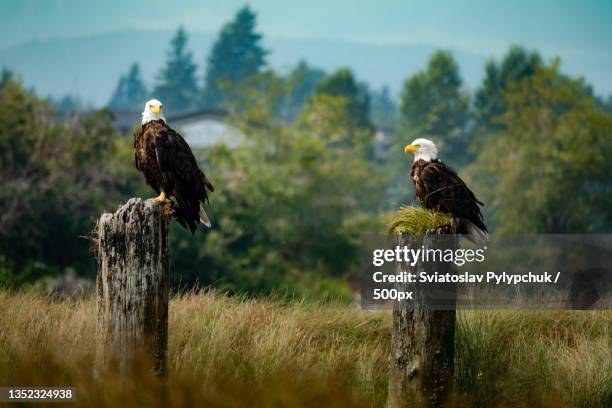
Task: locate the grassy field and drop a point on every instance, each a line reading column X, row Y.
column 231, row 352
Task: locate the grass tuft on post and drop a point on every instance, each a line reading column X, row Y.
column 416, row 221
column 421, row 372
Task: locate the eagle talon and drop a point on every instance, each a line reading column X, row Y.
column 442, row 229
column 168, row 207
column 161, row 198
column 165, row 203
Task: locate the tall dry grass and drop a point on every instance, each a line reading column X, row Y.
column 232, row 352
column 535, row 358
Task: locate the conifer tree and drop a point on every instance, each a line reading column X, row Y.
column 435, row 105
column 131, row 91
column 177, row 86
column 236, row 55
column 342, row 83
column 489, row 101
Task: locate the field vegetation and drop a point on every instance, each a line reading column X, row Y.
column 242, row 352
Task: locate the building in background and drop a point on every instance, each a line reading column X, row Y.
column 201, row 129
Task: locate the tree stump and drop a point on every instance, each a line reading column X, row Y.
column 132, row 286
column 423, row 340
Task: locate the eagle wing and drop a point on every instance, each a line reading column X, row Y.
column 137, row 147
column 181, row 176
column 445, row 191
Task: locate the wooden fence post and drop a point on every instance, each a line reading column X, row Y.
column 132, row 286
column 422, row 345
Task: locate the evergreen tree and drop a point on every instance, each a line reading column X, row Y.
column 383, row 109
column 343, row 84
column 490, row 101
column 235, row 56
column 68, row 103
column 5, row 76
column 604, row 103
column 548, row 171
column 301, row 84
column 177, row 86
column 435, row 106
column 131, row 92
column 120, row 97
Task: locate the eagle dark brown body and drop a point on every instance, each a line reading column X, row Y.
column 439, row 188
column 169, row 166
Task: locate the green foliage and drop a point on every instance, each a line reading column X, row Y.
column 290, row 203
column 131, row 92
column 177, row 85
column 68, row 104
column 383, row 110
column 415, row 221
column 236, row 55
column 606, row 104
column 301, row 84
column 330, row 117
column 294, row 196
column 549, row 171
column 5, row 76
column 435, row 106
column 56, row 177
column 257, row 98
column 343, row 84
column 490, row 100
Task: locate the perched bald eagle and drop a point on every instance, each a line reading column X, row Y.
column 169, row 167
column 440, row 189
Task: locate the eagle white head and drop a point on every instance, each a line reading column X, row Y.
column 424, row 149
column 152, row 111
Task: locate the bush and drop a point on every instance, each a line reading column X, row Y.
column 56, row 176
column 289, row 201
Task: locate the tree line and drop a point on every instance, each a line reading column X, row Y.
column 295, row 195
column 237, row 56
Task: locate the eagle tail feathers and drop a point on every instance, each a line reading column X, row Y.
column 207, row 183
column 478, row 236
column 204, row 220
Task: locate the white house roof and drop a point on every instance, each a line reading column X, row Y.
column 201, row 129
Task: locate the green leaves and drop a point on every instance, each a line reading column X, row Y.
column 489, row 101
column 435, row 106
column 289, row 205
column 56, row 177
column 177, row 84
column 547, row 171
column 236, row 55
column 342, row 84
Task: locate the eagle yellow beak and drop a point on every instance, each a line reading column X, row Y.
column 410, row 148
column 156, row 110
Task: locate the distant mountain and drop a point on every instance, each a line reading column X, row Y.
column 90, row 66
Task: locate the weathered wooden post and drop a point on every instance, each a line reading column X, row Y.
column 422, row 345
column 132, row 286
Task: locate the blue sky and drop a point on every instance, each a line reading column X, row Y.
column 479, row 26
column 580, row 32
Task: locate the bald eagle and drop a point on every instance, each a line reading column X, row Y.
column 170, row 168
column 440, row 189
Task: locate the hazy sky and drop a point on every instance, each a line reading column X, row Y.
column 580, row 32
column 554, row 26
